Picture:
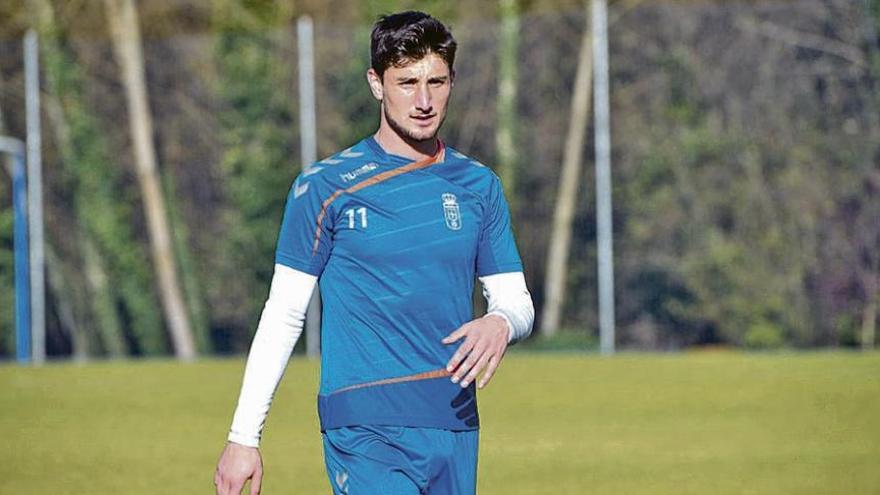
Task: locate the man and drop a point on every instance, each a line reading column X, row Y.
column 396, row 228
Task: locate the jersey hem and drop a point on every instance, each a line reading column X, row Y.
column 428, row 403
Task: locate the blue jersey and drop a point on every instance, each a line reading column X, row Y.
column 396, row 245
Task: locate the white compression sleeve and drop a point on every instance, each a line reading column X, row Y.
column 280, row 326
column 508, row 297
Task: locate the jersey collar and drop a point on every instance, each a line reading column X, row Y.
column 384, row 156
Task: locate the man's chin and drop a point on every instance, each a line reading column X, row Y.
column 417, row 135
column 422, row 137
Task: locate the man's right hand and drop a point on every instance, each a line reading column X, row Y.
column 238, row 464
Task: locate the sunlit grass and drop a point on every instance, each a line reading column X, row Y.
column 561, row 423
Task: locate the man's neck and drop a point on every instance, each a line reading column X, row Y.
column 396, row 144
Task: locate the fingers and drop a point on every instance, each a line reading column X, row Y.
column 223, row 487
column 469, row 359
column 256, row 481
column 235, row 487
column 230, row 487
column 490, row 370
column 463, row 351
column 221, row 484
column 481, row 352
column 229, row 481
column 456, row 335
column 478, row 366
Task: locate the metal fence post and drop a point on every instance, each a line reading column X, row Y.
column 35, row 197
column 16, row 148
column 305, row 40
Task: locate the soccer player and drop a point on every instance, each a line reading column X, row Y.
column 395, row 229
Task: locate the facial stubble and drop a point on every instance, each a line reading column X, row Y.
column 406, row 134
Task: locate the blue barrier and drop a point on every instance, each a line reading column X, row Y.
column 22, row 269
column 21, row 250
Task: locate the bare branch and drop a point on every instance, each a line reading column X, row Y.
column 803, row 40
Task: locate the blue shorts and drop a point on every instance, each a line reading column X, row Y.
column 400, row 460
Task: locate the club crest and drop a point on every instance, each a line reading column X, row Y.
column 451, row 211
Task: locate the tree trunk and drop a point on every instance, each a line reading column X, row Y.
column 566, row 199
column 872, row 242
column 125, row 32
column 65, row 302
column 103, row 302
column 100, row 296
column 191, row 288
column 869, row 312
column 505, row 134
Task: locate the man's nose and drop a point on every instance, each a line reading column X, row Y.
column 423, row 99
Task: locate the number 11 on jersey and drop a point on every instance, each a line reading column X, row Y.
column 361, row 212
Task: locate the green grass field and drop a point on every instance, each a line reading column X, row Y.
column 552, row 423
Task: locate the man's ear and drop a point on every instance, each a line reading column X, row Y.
column 375, row 83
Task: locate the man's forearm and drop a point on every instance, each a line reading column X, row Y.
column 508, row 297
column 281, row 324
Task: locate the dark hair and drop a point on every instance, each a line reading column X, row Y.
column 406, row 37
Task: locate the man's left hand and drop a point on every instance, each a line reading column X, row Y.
column 485, row 341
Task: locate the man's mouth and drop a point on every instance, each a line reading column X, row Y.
column 423, row 119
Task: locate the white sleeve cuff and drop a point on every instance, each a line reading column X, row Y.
column 508, row 297
column 280, row 327
column 247, row 441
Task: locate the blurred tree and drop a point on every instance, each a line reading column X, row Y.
column 870, row 237
column 348, row 111
column 258, row 160
column 117, row 282
column 734, row 202
column 125, row 32
column 566, row 196
column 506, row 154
column 7, row 294
column 745, row 160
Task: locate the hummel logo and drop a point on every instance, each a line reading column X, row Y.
column 350, row 176
column 300, row 190
column 341, row 479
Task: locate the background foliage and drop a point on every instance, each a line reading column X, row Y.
column 746, row 151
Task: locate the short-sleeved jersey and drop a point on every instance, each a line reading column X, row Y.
column 396, row 245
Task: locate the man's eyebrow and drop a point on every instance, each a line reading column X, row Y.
column 438, row 78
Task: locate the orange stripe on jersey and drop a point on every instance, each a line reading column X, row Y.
column 376, row 179
column 427, row 375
